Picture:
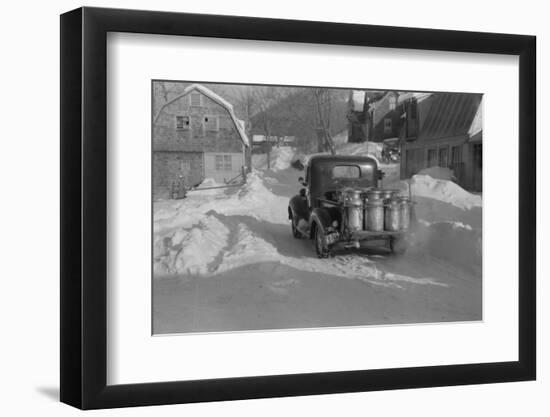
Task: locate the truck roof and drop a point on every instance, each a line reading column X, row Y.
column 342, row 158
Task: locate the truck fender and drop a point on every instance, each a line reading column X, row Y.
column 323, row 217
column 298, row 207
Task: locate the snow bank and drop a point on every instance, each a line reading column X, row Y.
column 187, row 234
column 445, row 191
column 438, row 173
column 209, row 182
column 281, row 158
column 209, row 234
column 340, row 139
column 207, row 252
column 455, row 242
column 259, row 161
column 190, row 251
column 363, row 148
column 249, row 249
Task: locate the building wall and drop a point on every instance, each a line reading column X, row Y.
column 197, row 137
column 175, row 166
column 417, row 155
column 179, row 151
column 377, row 128
column 220, row 172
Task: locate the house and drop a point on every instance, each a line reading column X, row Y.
column 196, row 136
column 367, row 110
column 260, row 140
column 446, row 130
column 383, row 118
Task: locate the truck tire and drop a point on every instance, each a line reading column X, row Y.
column 295, row 232
column 318, row 240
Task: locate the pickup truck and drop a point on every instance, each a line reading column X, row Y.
column 341, row 206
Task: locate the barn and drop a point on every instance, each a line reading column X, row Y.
column 196, row 136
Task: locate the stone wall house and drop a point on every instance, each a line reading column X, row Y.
column 197, row 136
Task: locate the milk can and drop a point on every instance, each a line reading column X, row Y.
column 374, row 194
column 404, row 213
column 354, row 209
column 392, row 215
column 374, row 215
column 388, row 194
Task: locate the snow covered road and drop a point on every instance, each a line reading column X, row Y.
column 226, row 260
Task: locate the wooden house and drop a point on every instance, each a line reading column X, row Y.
column 372, row 115
column 446, row 130
column 196, row 136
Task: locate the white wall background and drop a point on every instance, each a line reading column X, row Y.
column 29, row 300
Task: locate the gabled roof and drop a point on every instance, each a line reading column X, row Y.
column 452, row 114
column 409, row 95
column 239, row 124
column 358, row 99
column 477, row 123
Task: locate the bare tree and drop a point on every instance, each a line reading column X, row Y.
column 311, row 111
column 323, row 104
column 265, row 98
column 246, row 102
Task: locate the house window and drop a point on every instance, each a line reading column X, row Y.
column 195, row 99
column 432, row 157
column 387, row 125
column 411, row 122
column 223, row 163
column 219, row 162
column 182, row 122
column 393, row 102
column 444, row 157
column 211, row 123
column 227, row 163
column 456, row 155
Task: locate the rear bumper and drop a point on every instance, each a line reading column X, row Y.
column 362, row 235
column 368, row 235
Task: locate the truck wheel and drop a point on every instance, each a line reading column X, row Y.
column 295, row 232
column 398, row 245
column 319, row 241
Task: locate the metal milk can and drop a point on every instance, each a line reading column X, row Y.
column 404, row 213
column 388, row 194
column 374, row 215
column 392, row 215
column 354, row 209
column 374, row 194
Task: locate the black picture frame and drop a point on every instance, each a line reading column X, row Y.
column 84, row 207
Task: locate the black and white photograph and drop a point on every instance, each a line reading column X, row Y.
column 300, row 207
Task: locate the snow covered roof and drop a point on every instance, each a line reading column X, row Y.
column 408, row 95
column 477, row 123
column 451, row 114
column 358, row 98
column 239, row 124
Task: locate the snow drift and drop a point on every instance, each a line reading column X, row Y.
column 279, row 159
column 215, row 231
column 438, row 173
column 445, row 191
